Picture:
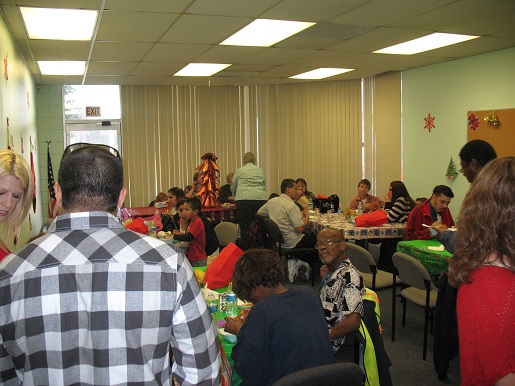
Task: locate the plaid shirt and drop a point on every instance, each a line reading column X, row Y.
column 93, row 303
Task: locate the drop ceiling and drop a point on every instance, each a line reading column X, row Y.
column 145, row 42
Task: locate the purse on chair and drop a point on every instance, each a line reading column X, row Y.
column 327, row 204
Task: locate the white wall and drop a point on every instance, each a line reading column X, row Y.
column 448, row 91
column 18, row 103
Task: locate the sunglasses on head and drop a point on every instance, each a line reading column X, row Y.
column 75, row 146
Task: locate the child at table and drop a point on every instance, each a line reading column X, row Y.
column 191, row 229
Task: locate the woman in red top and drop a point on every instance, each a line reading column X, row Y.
column 483, row 269
column 16, row 194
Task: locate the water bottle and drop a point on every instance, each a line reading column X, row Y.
column 310, row 205
column 152, row 230
column 360, row 208
column 232, row 303
column 340, row 213
column 212, row 305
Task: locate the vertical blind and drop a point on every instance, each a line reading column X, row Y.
column 308, row 130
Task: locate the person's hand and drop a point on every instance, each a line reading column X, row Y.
column 233, row 325
column 323, row 271
column 176, row 232
column 373, row 206
column 388, row 196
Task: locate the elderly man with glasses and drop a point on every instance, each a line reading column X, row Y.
column 341, row 289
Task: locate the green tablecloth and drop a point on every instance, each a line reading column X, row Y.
column 435, row 261
column 227, row 346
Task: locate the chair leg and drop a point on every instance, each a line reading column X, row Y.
column 426, row 326
column 404, row 303
column 393, row 308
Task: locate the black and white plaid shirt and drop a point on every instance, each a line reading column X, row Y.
column 93, row 303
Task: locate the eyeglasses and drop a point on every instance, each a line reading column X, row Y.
column 75, row 146
column 326, row 243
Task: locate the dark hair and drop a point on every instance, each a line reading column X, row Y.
column 400, row 190
column 177, row 192
column 254, row 268
column 161, row 197
column 479, row 150
column 307, row 192
column 273, row 195
column 366, row 182
column 180, row 202
column 485, row 223
column 421, row 199
column 287, row 183
column 443, row 189
column 194, row 203
column 91, row 178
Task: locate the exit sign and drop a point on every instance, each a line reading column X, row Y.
column 92, row 111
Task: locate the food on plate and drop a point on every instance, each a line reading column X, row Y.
column 200, row 276
column 164, row 235
column 244, row 313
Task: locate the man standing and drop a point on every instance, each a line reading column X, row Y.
column 342, row 287
column 434, row 212
column 91, row 302
column 473, row 157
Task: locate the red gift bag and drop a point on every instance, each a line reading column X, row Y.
column 219, row 272
column 137, row 225
column 371, row 219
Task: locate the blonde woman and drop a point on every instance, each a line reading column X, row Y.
column 16, row 193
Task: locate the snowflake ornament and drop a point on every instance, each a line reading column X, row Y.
column 430, row 122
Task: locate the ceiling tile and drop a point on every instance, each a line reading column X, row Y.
column 56, row 79
column 169, row 52
column 152, row 68
column 111, row 68
column 166, row 6
column 108, row 79
column 227, row 54
column 200, row 29
column 59, row 50
column 277, row 56
column 308, row 10
column 118, row 51
column 121, row 26
column 231, row 7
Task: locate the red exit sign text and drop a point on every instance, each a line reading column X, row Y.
column 92, row 111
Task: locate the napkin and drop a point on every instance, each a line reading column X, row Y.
column 439, row 248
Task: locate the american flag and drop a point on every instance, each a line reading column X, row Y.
column 52, row 203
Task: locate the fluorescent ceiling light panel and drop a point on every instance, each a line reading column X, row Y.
column 425, row 43
column 62, row 67
column 201, row 69
column 59, row 24
column 265, row 32
column 321, row 73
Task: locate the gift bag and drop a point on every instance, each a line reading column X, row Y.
column 219, row 272
column 371, row 219
column 137, row 225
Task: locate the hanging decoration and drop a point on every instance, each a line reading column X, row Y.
column 452, row 172
column 473, row 121
column 10, row 138
column 430, row 122
column 6, row 63
column 30, row 222
column 209, row 174
column 492, row 119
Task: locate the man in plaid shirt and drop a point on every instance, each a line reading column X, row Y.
column 93, row 303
